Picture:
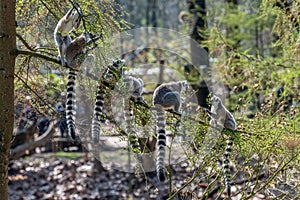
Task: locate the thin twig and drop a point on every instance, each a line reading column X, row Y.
column 49, row 9
column 210, row 194
column 79, row 11
column 34, row 92
column 24, row 42
column 273, row 176
column 187, row 183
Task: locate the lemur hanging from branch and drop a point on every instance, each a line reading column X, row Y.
column 70, row 21
column 72, row 54
column 66, row 24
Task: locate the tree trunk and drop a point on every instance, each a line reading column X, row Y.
column 232, row 7
column 7, row 64
column 199, row 55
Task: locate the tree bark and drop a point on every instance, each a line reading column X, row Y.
column 199, row 55
column 232, row 7
column 7, row 64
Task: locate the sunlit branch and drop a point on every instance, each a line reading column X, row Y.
column 38, row 55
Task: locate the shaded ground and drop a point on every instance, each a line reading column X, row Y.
column 48, row 176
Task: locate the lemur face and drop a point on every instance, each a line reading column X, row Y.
column 118, row 63
column 115, row 71
column 184, row 86
column 216, row 102
column 214, row 99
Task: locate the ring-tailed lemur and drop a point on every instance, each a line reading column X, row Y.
column 222, row 117
column 76, row 53
column 165, row 97
column 107, row 83
column 133, row 88
column 66, row 24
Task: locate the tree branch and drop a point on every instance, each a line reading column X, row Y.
column 24, row 42
column 47, row 7
column 38, row 55
column 35, row 54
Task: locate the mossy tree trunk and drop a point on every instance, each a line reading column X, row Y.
column 7, row 64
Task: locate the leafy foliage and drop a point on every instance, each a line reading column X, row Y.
column 255, row 47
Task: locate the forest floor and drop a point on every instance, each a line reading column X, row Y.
column 54, row 176
column 71, row 175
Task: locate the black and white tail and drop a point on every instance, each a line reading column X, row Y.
column 161, row 143
column 131, row 135
column 165, row 97
column 226, row 167
column 71, row 102
column 98, row 115
column 107, row 83
column 221, row 116
column 129, row 121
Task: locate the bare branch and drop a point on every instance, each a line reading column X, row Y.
column 38, row 55
column 35, row 54
column 24, row 42
column 47, row 7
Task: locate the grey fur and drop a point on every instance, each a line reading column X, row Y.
column 222, row 117
column 133, row 88
column 165, row 97
column 75, row 52
column 71, row 20
column 112, row 74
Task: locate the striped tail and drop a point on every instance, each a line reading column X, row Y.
column 98, row 115
column 71, row 102
column 161, row 144
column 226, row 165
column 128, row 115
column 133, row 139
